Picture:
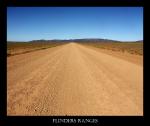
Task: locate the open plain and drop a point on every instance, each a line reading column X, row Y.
column 74, row 79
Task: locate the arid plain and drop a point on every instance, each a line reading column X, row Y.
column 75, row 79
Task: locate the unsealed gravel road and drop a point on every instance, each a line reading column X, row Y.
column 73, row 80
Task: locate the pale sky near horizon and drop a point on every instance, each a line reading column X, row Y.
column 116, row 23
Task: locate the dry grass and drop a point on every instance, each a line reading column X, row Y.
column 15, row 48
column 130, row 47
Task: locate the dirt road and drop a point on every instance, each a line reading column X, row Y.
column 73, row 80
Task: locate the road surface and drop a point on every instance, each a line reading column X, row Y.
column 72, row 79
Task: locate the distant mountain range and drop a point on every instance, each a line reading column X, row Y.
column 80, row 40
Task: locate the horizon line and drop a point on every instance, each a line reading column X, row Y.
column 71, row 39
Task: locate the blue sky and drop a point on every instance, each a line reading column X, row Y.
column 32, row 23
